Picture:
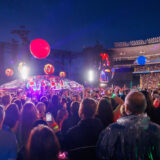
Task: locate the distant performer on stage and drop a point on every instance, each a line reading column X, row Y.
column 104, row 67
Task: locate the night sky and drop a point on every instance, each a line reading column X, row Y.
column 74, row 24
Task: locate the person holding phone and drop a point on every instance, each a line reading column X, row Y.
column 51, row 122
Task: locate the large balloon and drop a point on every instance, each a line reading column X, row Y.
column 62, row 74
column 39, row 48
column 141, row 60
column 9, row 72
column 48, row 69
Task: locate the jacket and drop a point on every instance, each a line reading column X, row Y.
column 132, row 137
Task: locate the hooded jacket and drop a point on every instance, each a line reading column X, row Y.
column 132, row 137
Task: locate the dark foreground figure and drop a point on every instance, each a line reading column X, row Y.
column 132, row 137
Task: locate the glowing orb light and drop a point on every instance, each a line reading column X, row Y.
column 24, row 72
column 62, row 74
column 90, row 75
column 107, row 70
column 141, row 60
column 48, row 69
column 9, row 72
column 39, row 48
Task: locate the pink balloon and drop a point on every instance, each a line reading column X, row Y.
column 39, row 48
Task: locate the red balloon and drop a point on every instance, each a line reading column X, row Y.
column 39, row 48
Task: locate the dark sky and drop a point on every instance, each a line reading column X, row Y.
column 73, row 24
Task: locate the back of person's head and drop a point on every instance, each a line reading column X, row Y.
column 40, row 122
column 28, row 117
column 75, row 98
column 74, row 108
column 87, row 108
column 44, row 99
column 11, row 115
column 105, row 111
column 113, row 104
column 42, row 144
column 29, row 111
column 135, row 103
column 62, row 114
column 41, row 107
column 112, row 101
column 13, row 99
column 63, row 101
column 19, row 104
column 6, row 99
column 2, row 115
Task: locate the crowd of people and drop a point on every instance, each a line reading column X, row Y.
column 147, row 68
column 150, row 81
column 104, row 124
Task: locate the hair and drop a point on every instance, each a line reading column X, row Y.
column 54, row 106
column 13, row 99
column 87, row 108
column 44, row 99
column 42, row 144
column 12, row 115
column 38, row 122
column 61, row 115
column 63, row 101
column 76, row 97
column 6, row 99
column 105, row 112
column 19, row 104
column 41, row 107
column 150, row 108
column 2, row 114
column 28, row 117
column 148, row 100
column 136, row 102
column 113, row 103
column 74, row 108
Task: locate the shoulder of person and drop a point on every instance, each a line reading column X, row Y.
column 155, row 128
column 113, row 127
column 73, row 129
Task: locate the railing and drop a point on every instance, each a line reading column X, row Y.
column 137, row 42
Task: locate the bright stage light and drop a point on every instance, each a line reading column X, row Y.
column 24, row 72
column 91, row 76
